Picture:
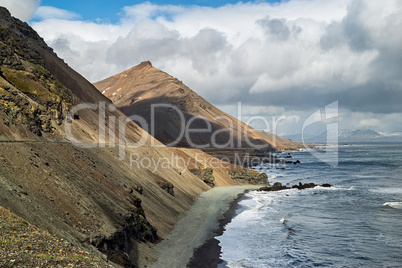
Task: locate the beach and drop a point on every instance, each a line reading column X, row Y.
column 198, row 226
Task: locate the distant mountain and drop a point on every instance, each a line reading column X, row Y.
column 361, row 134
column 135, row 90
column 346, row 135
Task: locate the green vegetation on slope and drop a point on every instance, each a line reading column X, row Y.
column 29, row 94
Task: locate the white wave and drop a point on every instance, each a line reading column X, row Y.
column 352, row 188
column 235, row 264
column 273, row 177
column 283, row 220
column 318, row 187
column 327, row 146
column 397, row 205
column 260, row 205
column 387, row 190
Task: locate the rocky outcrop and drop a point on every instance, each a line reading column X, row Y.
column 166, row 185
column 277, row 186
column 249, row 176
column 117, row 247
column 205, row 174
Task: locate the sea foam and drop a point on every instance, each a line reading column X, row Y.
column 397, row 205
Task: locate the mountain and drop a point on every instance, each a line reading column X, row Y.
column 135, row 90
column 360, row 134
column 109, row 199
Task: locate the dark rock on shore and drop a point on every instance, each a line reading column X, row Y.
column 302, row 186
column 293, row 162
column 277, row 186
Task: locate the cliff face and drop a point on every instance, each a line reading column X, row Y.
column 29, row 95
column 92, row 197
column 135, row 90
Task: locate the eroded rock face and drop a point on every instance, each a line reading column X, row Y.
column 29, row 94
column 249, row 176
column 117, row 247
column 166, row 185
column 205, row 174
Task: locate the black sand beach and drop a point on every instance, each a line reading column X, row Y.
column 192, row 242
column 208, row 255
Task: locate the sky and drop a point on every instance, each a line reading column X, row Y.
column 283, row 60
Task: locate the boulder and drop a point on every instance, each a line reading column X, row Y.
column 326, row 185
column 275, row 187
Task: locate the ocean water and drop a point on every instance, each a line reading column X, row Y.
column 355, row 223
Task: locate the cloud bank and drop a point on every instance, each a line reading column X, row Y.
column 48, row 12
column 21, row 9
column 293, row 56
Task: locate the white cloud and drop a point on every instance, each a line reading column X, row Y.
column 81, row 32
column 377, row 122
column 21, row 9
column 294, row 55
column 147, row 10
column 48, row 12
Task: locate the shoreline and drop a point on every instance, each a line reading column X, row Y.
column 192, row 241
column 209, row 254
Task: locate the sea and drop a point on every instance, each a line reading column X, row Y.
column 355, row 223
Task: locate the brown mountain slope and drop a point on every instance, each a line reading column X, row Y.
column 282, row 143
column 135, row 90
column 37, row 89
column 24, row 245
column 98, row 198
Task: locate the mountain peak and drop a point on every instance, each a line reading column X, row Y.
column 142, row 65
column 145, row 63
